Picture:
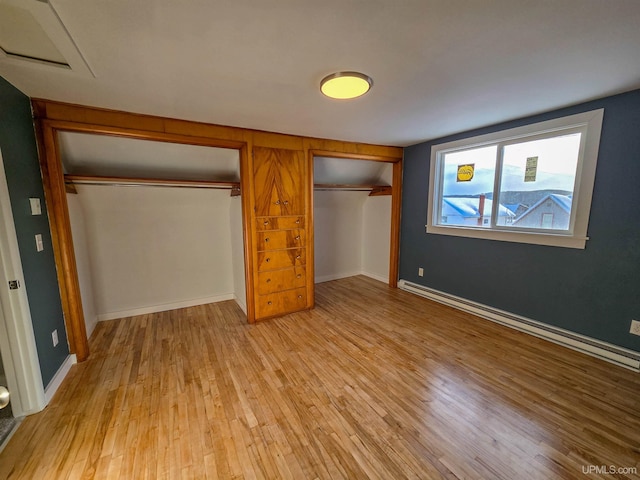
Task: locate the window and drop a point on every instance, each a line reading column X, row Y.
column 531, row 184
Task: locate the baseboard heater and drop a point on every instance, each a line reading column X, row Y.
column 590, row 346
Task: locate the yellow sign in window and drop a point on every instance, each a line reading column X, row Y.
column 465, row 172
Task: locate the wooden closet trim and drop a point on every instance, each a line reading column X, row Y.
column 55, row 195
column 51, row 117
column 396, row 199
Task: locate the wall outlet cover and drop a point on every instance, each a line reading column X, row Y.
column 39, row 244
column 36, row 208
column 54, row 337
column 635, row 327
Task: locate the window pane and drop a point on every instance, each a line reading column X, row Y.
column 537, row 182
column 467, row 185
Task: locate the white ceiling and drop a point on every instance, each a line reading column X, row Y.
column 439, row 66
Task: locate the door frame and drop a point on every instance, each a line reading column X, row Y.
column 396, row 200
column 56, row 198
column 17, row 339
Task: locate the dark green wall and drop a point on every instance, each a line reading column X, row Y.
column 594, row 292
column 20, row 156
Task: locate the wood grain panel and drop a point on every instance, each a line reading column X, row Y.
column 372, row 383
column 279, row 177
column 280, row 303
column 396, row 206
column 277, row 259
column 280, row 239
column 280, row 223
column 62, row 240
column 279, row 280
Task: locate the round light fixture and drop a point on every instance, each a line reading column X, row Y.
column 345, row 85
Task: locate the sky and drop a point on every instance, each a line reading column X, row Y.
column 557, row 159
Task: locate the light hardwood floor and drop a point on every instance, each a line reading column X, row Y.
column 373, row 383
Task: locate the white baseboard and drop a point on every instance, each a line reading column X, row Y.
column 241, row 303
column 338, row 276
column 90, row 324
column 375, row 276
column 590, row 346
column 57, row 379
column 164, row 307
column 335, row 276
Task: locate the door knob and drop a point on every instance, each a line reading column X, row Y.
column 4, row 397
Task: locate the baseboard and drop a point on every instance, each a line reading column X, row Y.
column 336, row 276
column 90, row 324
column 376, row 277
column 241, row 303
column 590, row 346
column 57, row 379
column 164, row 307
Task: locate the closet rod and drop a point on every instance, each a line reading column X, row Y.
column 142, row 182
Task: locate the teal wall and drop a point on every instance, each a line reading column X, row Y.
column 20, row 156
column 595, row 291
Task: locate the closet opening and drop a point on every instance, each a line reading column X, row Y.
column 156, row 225
column 353, row 218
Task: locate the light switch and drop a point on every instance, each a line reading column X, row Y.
column 36, row 209
column 39, row 244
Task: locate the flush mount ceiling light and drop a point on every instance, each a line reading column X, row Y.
column 345, row 85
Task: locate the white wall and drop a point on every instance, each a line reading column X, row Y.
column 376, row 237
column 83, row 262
column 157, row 248
column 352, row 230
column 237, row 253
column 338, row 233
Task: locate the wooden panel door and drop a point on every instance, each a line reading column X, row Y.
column 280, row 239
column 279, row 179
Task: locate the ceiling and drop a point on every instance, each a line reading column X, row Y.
column 439, row 66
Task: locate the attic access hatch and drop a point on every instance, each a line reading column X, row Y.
column 352, row 175
column 31, row 31
column 110, row 160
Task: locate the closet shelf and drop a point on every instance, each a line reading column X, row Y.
column 72, row 180
column 374, row 189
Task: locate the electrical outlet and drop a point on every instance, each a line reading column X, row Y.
column 54, row 337
column 421, row 272
column 36, row 208
column 635, row 327
column 39, row 244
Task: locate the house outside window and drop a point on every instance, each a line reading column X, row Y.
column 530, row 184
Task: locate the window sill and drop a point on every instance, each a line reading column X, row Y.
column 533, row 238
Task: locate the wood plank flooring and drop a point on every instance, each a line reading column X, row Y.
column 373, row 383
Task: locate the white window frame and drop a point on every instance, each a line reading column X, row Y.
column 589, row 123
